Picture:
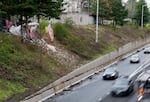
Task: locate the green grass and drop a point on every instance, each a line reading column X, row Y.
column 8, row 89
column 72, row 42
column 24, row 66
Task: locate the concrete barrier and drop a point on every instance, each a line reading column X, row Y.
column 83, row 72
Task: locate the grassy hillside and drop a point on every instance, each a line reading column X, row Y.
column 24, row 66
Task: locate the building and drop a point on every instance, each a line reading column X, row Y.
column 78, row 11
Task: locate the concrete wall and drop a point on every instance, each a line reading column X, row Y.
column 78, row 18
column 84, row 72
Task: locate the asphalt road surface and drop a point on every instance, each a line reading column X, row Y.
column 95, row 89
column 130, row 98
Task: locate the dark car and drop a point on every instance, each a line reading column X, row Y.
column 110, row 73
column 122, row 87
column 147, row 50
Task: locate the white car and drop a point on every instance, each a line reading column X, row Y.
column 134, row 58
column 147, row 50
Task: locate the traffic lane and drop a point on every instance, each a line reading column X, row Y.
column 126, row 68
column 96, row 88
column 110, row 98
column 89, row 92
column 130, row 98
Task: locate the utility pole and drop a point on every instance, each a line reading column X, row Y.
column 142, row 16
column 97, row 13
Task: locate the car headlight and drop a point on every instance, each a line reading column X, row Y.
column 104, row 74
column 113, row 74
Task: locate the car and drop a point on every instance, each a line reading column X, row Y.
column 147, row 50
column 122, row 86
column 110, row 73
column 135, row 58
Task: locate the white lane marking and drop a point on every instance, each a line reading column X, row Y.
column 140, row 68
column 108, row 93
column 99, row 99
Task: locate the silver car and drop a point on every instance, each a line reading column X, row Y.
column 135, row 58
column 147, row 50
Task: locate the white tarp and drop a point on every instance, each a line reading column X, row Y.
column 15, row 30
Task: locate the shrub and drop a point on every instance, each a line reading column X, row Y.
column 148, row 27
column 72, row 42
column 43, row 25
column 69, row 23
column 61, row 32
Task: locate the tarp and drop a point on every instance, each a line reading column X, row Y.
column 51, row 33
column 15, row 30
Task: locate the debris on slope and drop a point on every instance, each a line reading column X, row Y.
column 58, row 52
column 64, row 57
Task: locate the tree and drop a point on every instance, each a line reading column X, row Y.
column 131, row 7
column 48, row 8
column 29, row 8
column 111, row 10
column 21, row 8
column 118, row 12
column 103, row 9
column 1, row 11
column 138, row 13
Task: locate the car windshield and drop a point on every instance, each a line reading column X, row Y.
column 147, row 48
column 134, row 56
column 110, row 70
column 121, row 82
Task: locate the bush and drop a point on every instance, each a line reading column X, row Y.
column 61, row 32
column 69, row 23
column 148, row 27
column 72, row 42
column 43, row 25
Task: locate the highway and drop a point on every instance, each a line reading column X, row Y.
column 95, row 89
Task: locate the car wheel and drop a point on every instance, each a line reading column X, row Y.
column 116, row 76
column 104, row 78
column 112, row 94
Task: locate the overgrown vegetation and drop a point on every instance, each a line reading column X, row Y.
column 43, row 27
column 72, row 42
column 19, row 62
column 7, row 89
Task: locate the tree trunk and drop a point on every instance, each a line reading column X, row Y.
column 38, row 17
